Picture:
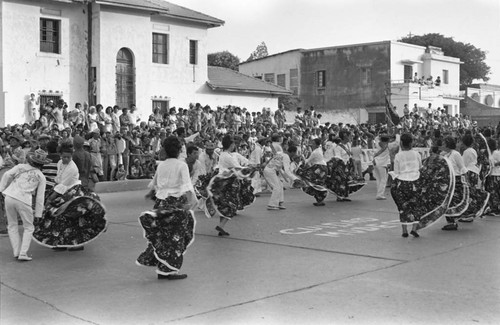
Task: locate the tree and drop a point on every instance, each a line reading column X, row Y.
column 473, row 66
column 260, row 52
column 289, row 102
column 224, row 59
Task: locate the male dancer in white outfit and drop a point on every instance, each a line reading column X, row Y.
column 280, row 163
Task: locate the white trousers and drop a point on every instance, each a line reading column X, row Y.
column 14, row 208
column 277, row 194
column 380, row 173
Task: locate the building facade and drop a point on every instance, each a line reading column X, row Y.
column 357, row 77
column 482, row 103
column 150, row 53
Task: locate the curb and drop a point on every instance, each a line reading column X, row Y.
column 122, row 186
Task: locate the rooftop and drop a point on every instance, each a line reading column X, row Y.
column 165, row 8
column 229, row 80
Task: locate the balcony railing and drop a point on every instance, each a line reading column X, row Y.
column 412, row 90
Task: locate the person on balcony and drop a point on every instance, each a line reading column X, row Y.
column 437, row 83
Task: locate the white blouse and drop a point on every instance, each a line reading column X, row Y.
column 316, row 158
column 329, row 150
column 470, row 160
column 495, row 158
column 67, row 176
column 172, row 179
column 226, row 161
column 342, row 153
column 457, row 162
column 407, row 165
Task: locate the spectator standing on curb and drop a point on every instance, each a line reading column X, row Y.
column 82, row 160
column 381, row 160
column 95, row 151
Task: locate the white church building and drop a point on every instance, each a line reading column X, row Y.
column 150, row 53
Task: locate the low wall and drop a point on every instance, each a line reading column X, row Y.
column 122, row 186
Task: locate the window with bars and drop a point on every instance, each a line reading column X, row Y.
column 44, row 98
column 281, row 80
column 163, row 105
column 366, row 76
column 50, row 33
column 193, row 52
column 321, row 78
column 294, row 81
column 269, row 77
column 160, row 48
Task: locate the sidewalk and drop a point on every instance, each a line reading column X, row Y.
column 121, row 186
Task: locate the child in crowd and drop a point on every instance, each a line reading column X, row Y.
column 121, row 173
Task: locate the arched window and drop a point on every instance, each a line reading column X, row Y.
column 125, row 78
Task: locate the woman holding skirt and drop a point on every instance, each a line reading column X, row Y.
column 493, row 180
column 421, row 192
column 407, row 164
column 478, row 196
column 73, row 216
column 460, row 200
column 169, row 227
column 342, row 179
column 314, row 174
column 230, row 189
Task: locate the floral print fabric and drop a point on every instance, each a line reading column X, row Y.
column 460, row 200
column 229, row 192
column 314, row 178
column 493, row 187
column 403, row 194
column 72, row 219
column 169, row 230
column 483, row 157
column 341, row 179
column 478, row 198
column 424, row 200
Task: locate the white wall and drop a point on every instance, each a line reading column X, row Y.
column 432, row 64
column 177, row 80
column 278, row 64
column 252, row 102
column 26, row 69
column 404, row 52
column 481, row 94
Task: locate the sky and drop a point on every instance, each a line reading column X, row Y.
column 290, row 24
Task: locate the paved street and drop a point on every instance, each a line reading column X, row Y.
column 345, row 263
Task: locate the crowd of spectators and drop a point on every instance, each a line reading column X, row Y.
column 429, row 81
column 124, row 146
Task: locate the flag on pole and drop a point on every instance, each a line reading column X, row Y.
column 390, row 112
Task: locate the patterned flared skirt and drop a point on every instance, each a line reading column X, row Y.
column 479, row 198
column 229, row 192
column 425, row 200
column 169, row 230
column 341, row 178
column 73, row 219
column 493, row 187
column 460, row 200
column 314, row 178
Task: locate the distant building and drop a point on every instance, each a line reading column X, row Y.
column 482, row 103
column 151, row 53
column 356, row 77
column 229, row 87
